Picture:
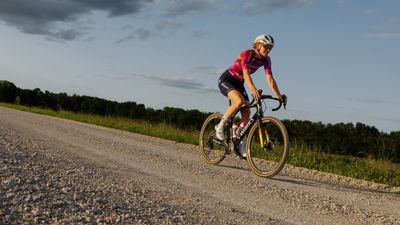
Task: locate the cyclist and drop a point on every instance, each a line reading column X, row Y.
column 231, row 82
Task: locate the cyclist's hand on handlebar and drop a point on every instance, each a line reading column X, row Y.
column 283, row 99
column 256, row 94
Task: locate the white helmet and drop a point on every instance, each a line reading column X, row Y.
column 265, row 39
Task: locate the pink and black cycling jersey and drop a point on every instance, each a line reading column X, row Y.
column 246, row 60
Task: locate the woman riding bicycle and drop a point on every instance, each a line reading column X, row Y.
column 231, row 82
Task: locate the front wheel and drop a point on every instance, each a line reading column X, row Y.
column 211, row 149
column 267, row 147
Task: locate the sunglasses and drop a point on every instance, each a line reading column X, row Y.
column 269, row 47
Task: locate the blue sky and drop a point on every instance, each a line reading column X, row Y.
column 336, row 60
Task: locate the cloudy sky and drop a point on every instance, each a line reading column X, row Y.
column 336, row 60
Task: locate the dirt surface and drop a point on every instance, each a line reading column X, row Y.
column 58, row 171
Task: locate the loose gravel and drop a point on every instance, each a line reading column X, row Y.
column 54, row 171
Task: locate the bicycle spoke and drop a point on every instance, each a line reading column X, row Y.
column 268, row 148
column 212, row 149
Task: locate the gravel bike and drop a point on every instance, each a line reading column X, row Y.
column 266, row 140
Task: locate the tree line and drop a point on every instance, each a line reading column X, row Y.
column 341, row 138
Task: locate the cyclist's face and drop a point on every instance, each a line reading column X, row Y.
column 264, row 50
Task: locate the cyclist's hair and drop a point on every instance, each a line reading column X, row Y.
column 257, row 45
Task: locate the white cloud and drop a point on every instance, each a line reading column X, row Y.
column 168, row 26
column 139, row 33
column 180, row 82
column 207, row 69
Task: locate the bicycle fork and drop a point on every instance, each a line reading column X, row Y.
column 261, row 132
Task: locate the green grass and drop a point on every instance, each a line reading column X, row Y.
column 381, row 171
column 376, row 170
column 160, row 130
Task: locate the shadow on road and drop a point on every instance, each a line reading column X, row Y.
column 286, row 178
column 235, row 167
column 334, row 186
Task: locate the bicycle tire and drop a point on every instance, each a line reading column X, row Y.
column 268, row 159
column 211, row 151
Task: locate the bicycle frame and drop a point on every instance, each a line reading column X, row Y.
column 268, row 130
column 258, row 115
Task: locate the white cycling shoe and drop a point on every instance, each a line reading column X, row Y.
column 219, row 133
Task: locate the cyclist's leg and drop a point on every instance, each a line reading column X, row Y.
column 245, row 112
column 237, row 101
column 243, row 121
column 229, row 87
column 245, row 116
column 234, row 90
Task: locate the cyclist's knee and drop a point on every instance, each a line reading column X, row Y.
column 239, row 103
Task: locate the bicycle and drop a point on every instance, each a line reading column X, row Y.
column 267, row 150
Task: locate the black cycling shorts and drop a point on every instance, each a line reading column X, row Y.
column 227, row 83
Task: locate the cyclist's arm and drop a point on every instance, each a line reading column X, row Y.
column 270, row 79
column 250, row 84
column 272, row 84
column 246, row 74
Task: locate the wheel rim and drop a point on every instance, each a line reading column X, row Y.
column 212, row 151
column 267, row 153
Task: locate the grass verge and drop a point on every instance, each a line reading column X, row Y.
column 380, row 171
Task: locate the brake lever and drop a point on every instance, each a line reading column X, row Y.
column 284, row 101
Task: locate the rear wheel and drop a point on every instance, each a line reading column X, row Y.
column 267, row 147
column 212, row 150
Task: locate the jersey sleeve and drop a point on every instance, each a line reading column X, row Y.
column 245, row 56
column 267, row 67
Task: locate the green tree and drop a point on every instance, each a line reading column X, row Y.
column 8, row 91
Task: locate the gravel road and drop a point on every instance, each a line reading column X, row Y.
column 55, row 171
